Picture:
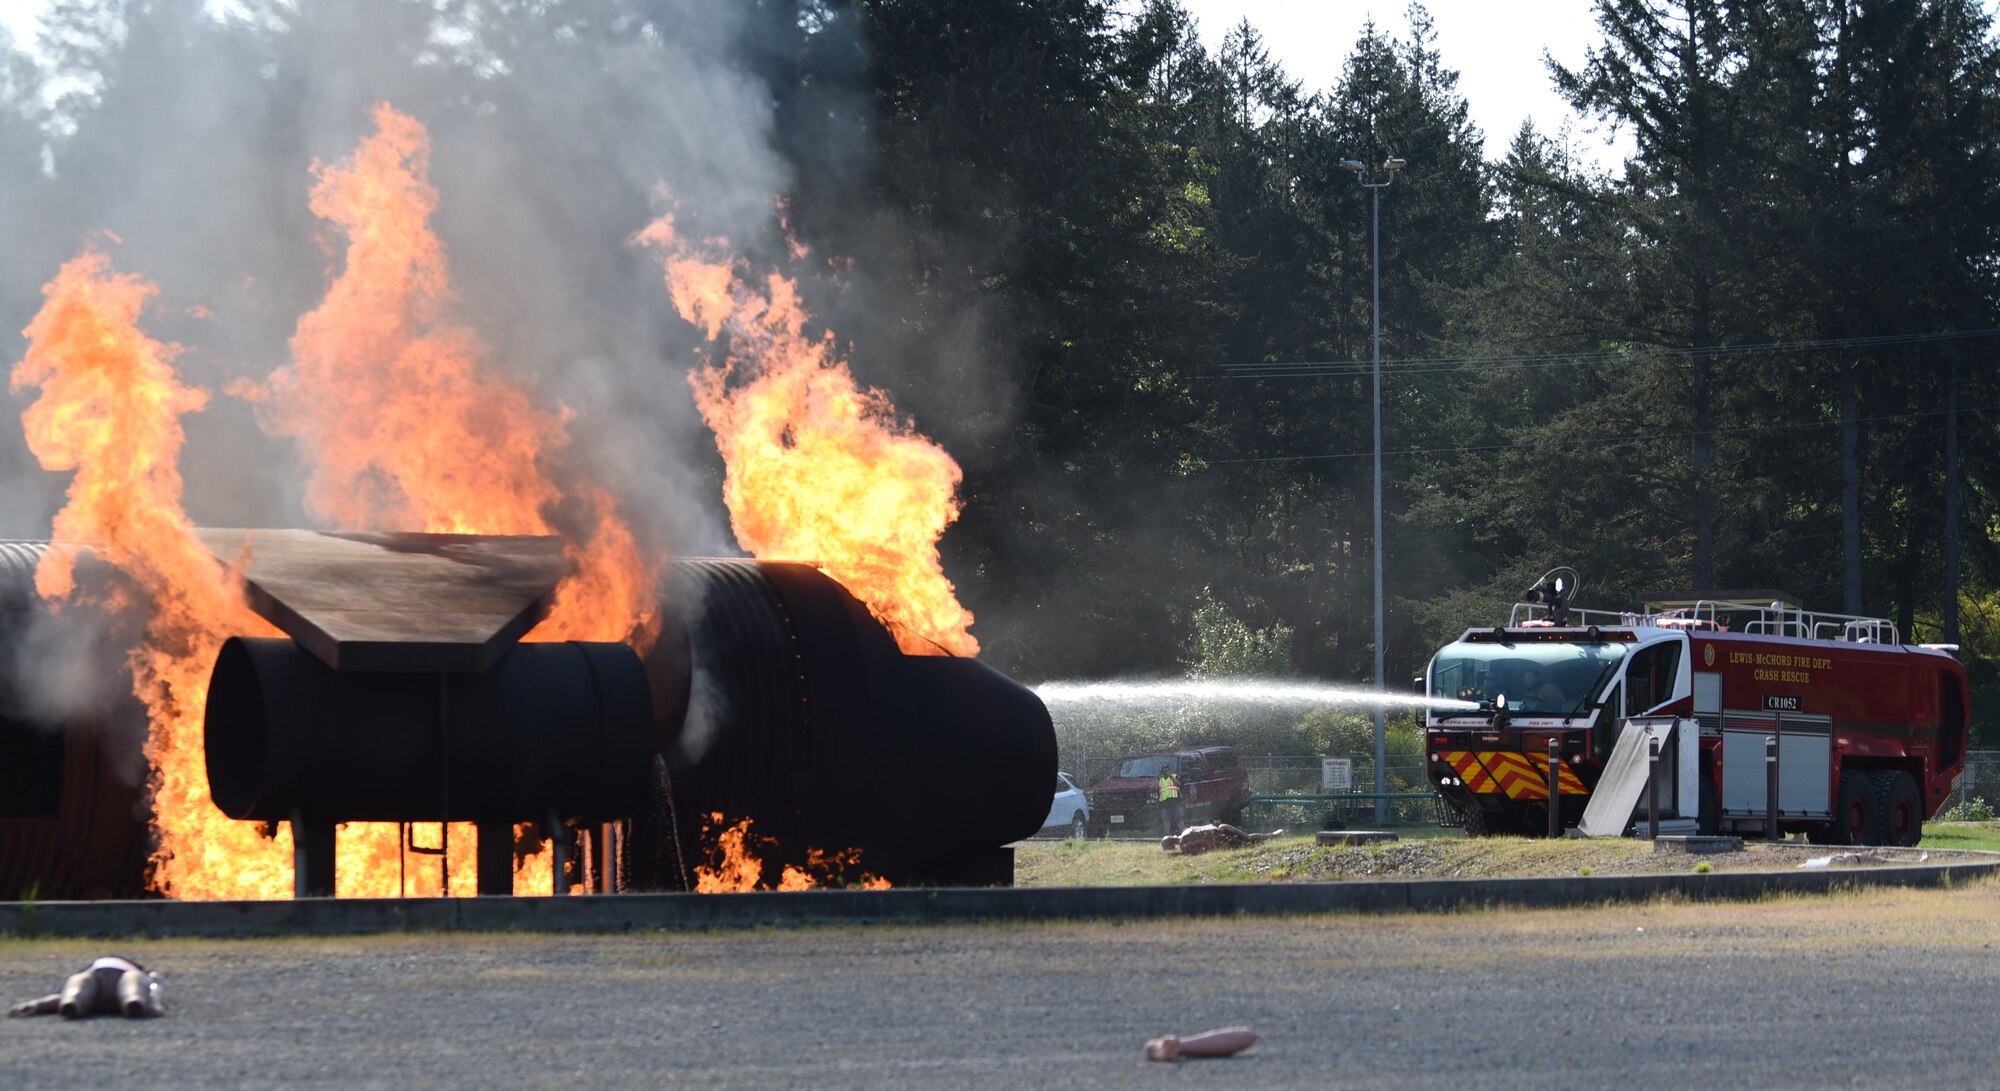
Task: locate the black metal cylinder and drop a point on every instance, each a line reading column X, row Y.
column 565, row 727
column 799, row 713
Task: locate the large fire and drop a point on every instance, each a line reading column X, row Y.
column 736, row 867
column 109, row 411
column 817, row 467
column 405, row 425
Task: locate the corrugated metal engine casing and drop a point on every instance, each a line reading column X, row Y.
column 802, row 715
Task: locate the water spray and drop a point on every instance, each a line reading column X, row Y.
column 1259, row 691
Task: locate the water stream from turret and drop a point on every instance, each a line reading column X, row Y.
column 1257, row 691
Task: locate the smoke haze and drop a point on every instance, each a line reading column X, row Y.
column 552, row 127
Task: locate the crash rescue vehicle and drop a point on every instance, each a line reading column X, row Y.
column 1868, row 732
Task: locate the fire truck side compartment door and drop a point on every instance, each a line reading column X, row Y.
column 1805, row 754
column 1743, row 771
column 1805, row 763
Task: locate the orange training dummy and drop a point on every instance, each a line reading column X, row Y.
column 1209, row 1043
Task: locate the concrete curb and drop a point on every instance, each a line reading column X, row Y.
column 652, row 912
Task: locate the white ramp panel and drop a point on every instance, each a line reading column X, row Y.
column 1617, row 793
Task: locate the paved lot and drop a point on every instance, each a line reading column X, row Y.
column 1877, row 989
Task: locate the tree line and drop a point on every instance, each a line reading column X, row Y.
column 1755, row 357
column 1125, row 280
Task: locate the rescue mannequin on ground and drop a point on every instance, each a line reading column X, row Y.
column 109, row 986
column 1209, row 1043
column 1216, row 835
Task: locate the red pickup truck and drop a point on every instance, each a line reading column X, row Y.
column 1214, row 788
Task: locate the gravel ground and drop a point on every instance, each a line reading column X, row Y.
column 1876, row 988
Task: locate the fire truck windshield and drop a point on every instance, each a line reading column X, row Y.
column 1550, row 679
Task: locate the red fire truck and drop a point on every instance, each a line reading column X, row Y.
column 1868, row 732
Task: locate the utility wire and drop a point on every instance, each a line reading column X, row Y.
column 1642, row 437
column 1348, row 368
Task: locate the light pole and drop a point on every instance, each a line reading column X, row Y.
column 1385, row 176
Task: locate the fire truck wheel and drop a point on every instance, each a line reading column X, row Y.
column 1708, row 821
column 1857, row 819
column 1480, row 822
column 1901, row 808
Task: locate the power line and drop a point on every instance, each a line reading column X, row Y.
column 1645, row 437
column 1419, row 365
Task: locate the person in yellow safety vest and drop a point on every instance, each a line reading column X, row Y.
column 1170, row 803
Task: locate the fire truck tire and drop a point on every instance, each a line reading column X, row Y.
column 1857, row 817
column 1708, row 820
column 1900, row 806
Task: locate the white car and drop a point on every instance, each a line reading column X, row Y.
column 1069, row 811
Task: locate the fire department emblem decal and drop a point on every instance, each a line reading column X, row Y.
column 1708, row 655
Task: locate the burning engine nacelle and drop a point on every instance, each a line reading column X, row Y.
column 782, row 699
column 551, row 732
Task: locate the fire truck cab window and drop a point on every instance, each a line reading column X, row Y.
column 1649, row 681
column 1538, row 678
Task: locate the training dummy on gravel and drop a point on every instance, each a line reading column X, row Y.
column 109, row 986
column 1215, row 835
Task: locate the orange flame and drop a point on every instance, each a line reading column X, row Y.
column 405, row 426
column 818, row 468
column 403, row 423
column 737, row 867
column 109, row 409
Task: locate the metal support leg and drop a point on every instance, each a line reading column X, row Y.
column 558, row 854
column 607, row 858
column 312, row 857
column 496, row 858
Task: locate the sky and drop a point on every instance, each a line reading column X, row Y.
column 1496, row 48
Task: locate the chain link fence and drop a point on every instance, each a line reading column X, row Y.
column 1980, row 780
column 1301, row 774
